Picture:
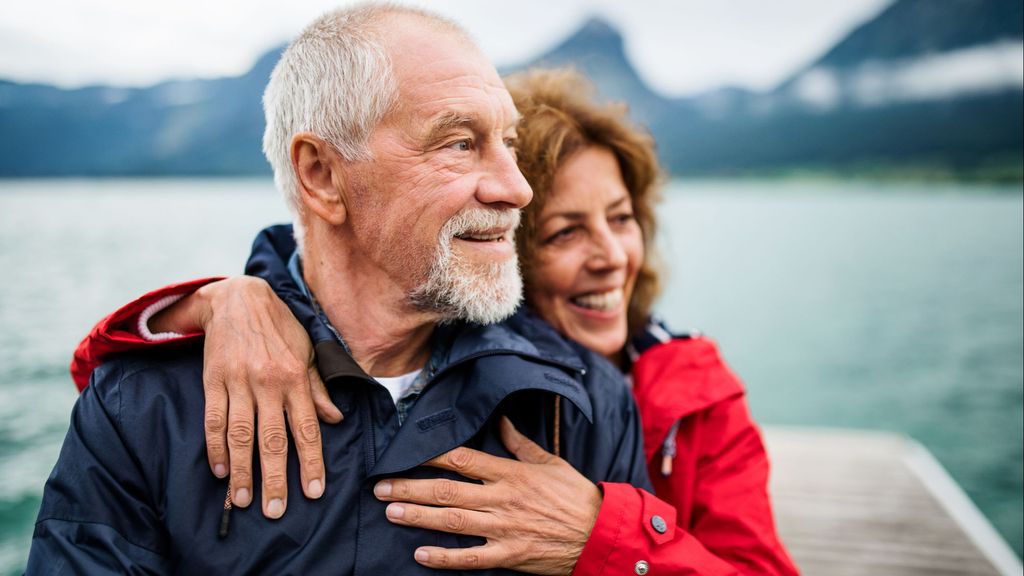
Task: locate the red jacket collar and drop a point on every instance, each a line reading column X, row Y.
column 677, row 379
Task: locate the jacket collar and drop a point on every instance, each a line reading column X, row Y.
column 676, row 379
column 485, row 365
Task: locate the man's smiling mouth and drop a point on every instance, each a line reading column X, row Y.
column 485, row 236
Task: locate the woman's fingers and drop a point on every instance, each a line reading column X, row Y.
column 437, row 492
column 215, row 422
column 523, row 448
column 476, row 557
column 306, row 431
column 241, row 423
column 453, row 520
column 536, row 512
column 473, row 464
column 325, row 408
column 273, row 442
column 258, row 356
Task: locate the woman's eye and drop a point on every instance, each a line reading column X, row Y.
column 623, row 219
column 562, row 235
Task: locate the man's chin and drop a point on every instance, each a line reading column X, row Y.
column 477, row 293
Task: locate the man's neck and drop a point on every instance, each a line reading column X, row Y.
column 385, row 335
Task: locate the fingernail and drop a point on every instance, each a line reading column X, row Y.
column 242, row 497
column 220, row 470
column 421, row 555
column 275, row 508
column 395, row 511
column 382, row 489
column 315, row 488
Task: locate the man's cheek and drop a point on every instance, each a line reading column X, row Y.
column 441, row 180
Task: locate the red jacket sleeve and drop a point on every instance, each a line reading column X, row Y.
column 119, row 332
column 731, row 529
column 625, row 541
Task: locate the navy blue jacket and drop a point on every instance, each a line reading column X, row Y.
column 132, row 492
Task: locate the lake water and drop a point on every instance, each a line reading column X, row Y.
column 894, row 306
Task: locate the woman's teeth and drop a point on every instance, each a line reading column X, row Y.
column 601, row 301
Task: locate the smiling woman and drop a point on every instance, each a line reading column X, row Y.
column 587, row 253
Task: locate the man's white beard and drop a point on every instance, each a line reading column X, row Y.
column 461, row 290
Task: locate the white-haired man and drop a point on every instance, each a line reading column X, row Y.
column 393, row 139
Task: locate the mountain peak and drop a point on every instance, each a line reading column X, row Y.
column 599, row 27
column 595, row 32
column 597, row 50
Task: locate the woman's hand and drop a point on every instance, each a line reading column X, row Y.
column 257, row 359
column 535, row 512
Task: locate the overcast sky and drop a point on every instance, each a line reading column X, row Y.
column 679, row 47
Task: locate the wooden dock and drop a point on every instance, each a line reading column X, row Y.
column 856, row 502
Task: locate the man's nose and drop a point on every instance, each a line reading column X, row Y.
column 502, row 182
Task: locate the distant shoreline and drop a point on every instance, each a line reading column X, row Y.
column 997, row 172
column 1008, row 180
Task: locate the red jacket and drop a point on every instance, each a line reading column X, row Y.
column 714, row 512
column 715, row 501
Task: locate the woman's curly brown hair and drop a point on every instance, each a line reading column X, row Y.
column 560, row 118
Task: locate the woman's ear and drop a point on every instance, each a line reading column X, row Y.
column 318, row 170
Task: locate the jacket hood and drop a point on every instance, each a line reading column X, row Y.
column 676, row 379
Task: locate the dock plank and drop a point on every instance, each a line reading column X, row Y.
column 849, row 503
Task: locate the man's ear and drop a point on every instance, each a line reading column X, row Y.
column 318, row 169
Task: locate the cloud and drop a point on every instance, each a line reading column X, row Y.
column 976, row 70
column 819, row 88
column 678, row 47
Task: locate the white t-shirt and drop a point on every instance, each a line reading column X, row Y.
column 397, row 385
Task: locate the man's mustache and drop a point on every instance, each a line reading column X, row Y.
column 481, row 221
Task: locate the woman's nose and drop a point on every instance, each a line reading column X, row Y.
column 608, row 251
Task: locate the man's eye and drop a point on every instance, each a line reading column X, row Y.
column 512, row 144
column 462, row 145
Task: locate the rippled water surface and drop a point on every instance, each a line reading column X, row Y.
column 894, row 307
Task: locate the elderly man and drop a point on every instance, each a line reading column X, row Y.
column 392, row 138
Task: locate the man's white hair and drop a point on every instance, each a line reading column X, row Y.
column 334, row 80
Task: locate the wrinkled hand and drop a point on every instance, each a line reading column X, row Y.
column 257, row 360
column 536, row 513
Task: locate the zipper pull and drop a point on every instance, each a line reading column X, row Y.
column 666, row 465
column 668, row 449
column 225, row 516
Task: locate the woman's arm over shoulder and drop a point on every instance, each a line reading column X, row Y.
column 121, row 331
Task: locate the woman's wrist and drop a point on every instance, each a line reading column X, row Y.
column 188, row 315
